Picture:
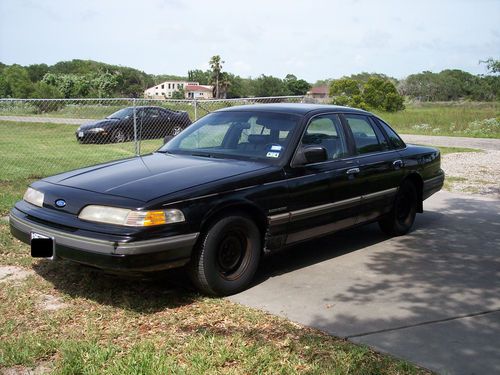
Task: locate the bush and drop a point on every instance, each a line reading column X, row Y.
column 376, row 93
column 45, row 91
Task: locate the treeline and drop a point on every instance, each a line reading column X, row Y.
column 92, row 79
column 72, row 79
column 234, row 86
column 451, row 84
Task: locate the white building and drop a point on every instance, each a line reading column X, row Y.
column 192, row 90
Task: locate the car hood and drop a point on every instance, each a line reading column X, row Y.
column 153, row 176
column 98, row 123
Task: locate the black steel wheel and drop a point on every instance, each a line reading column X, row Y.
column 227, row 256
column 400, row 220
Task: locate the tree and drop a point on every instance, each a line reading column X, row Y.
column 344, row 86
column 269, row 86
column 216, row 66
column 200, row 76
column 43, row 90
column 16, row 82
column 382, row 94
column 346, row 91
column 179, row 94
column 37, row 71
column 296, row 86
column 492, row 65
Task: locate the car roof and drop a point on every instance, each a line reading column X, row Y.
column 295, row 108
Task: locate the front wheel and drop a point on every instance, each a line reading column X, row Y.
column 227, row 256
column 400, row 220
column 118, row 136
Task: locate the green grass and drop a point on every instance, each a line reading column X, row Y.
column 30, row 151
column 122, row 326
column 451, row 119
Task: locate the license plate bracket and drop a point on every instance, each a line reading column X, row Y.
column 41, row 246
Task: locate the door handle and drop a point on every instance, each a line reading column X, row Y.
column 397, row 164
column 353, row 171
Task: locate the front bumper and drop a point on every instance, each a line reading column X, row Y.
column 93, row 137
column 111, row 255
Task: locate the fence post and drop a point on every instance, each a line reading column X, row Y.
column 195, row 110
column 135, row 129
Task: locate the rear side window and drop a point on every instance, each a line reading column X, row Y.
column 367, row 137
column 395, row 140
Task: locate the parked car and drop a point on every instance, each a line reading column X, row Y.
column 150, row 123
column 237, row 184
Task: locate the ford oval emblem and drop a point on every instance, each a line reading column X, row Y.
column 60, row 203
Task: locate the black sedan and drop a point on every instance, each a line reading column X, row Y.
column 237, row 184
column 131, row 123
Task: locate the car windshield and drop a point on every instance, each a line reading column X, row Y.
column 122, row 113
column 247, row 135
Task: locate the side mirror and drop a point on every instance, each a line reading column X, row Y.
column 310, row 155
column 167, row 139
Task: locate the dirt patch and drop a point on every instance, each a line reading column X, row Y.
column 13, row 273
column 50, row 303
column 473, row 172
column 40, row 369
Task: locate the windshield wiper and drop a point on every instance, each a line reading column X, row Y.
column 202, row 154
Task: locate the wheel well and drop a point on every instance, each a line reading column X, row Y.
column 242, row 208
column 418, row 182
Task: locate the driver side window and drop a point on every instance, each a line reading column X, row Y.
column 326, row 131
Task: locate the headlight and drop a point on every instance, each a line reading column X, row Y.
column 34, row 197
column 131, row 218
column 96, row 130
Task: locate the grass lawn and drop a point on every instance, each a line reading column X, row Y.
column 452, row 119
column 30, row 151
column 110, row 325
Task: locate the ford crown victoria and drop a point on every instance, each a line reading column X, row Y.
column 237, row 184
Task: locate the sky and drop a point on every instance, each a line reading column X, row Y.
column 312, row 39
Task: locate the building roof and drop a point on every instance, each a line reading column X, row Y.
column 319, row 90
column 197, row 88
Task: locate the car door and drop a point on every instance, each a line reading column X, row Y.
column 324, row 196
column 152, row 123
column 380, row 166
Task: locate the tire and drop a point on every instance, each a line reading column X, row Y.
column 400, row 220
column 227, row 256
column 118, row 136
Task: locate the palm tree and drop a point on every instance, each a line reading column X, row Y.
column 216, row 65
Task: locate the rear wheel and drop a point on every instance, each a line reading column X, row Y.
column 400, row 220
column 227, row 257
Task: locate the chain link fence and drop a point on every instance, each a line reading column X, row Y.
column 41, row 137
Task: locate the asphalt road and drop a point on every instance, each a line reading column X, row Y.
column 431, row 297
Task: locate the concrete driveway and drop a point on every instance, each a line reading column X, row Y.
column 431, row 297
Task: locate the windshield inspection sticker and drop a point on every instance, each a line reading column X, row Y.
column 276, row 148
column 272, row 154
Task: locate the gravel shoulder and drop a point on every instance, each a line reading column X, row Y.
column 476, row 173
